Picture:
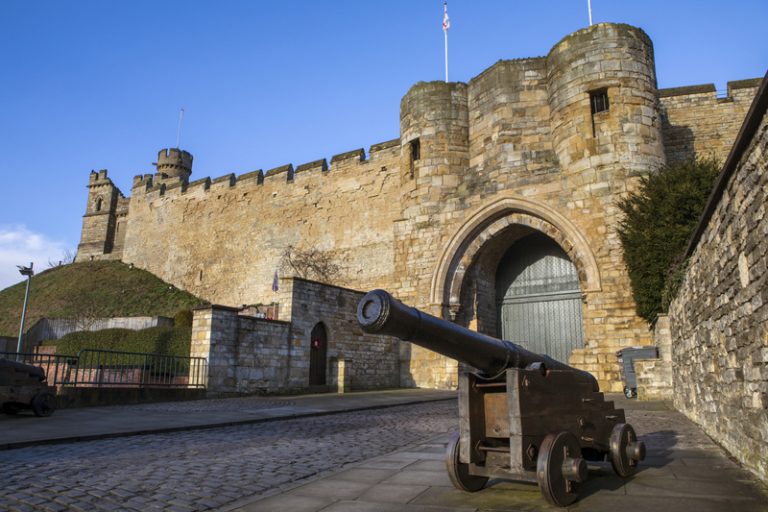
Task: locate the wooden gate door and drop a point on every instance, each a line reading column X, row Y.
column 317, row 355
column 539, row 298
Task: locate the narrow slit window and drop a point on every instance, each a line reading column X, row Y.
column 599, row 101
column 98, row 204
column 415, row 149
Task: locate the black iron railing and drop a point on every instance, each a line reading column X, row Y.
column 110, row 368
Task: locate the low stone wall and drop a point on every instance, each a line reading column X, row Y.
column 654, row 376
column 8, row 344
column 255, row 355
column 86, row 397
column 719, row 319
column 55, row 328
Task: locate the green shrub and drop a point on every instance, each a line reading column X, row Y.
column 163, row 340
column 658, row 222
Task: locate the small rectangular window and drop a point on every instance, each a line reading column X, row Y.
column 599, row 101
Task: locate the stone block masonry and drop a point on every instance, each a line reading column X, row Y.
column 719, row 318
column 254, row 355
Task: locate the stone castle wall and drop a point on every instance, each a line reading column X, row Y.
column 719, row 319
column 429, row 216
column 183, row 233
column 698, row 122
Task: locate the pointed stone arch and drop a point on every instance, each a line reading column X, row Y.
column 491, row 220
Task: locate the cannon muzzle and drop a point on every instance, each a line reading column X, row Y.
column 379, row 313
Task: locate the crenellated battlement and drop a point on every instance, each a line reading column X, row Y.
column 317, row 165
column 151, row 186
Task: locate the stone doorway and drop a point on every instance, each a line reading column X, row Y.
column 538, row 297
column 318, row 352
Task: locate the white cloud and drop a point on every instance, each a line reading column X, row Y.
column 19, row 246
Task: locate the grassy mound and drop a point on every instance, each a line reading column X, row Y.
column 97, row 289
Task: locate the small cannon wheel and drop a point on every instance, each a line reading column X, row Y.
column 459, row 471
column 626, row 450
column 43, row 404
column 560, row 468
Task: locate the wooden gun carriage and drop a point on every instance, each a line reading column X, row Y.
column 522, row 416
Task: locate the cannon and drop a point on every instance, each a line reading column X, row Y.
column 23, row 386
column 522, row 416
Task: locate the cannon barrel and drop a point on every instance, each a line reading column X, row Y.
column 379, row 313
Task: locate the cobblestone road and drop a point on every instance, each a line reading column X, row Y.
column 200, row 470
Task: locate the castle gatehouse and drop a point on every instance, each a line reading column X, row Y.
column 495, row 208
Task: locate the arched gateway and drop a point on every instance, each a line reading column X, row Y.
column 518, row 269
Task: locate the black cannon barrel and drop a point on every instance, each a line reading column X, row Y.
column 379, row 313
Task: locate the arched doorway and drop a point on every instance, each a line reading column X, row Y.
column 318, row 349
column 538, row 297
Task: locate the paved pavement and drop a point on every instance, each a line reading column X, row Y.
column 89, row 423
column 342, row 461
column 684, row 471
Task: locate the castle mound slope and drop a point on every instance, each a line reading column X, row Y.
column 94, row 289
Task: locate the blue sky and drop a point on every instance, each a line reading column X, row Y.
column 99, row 84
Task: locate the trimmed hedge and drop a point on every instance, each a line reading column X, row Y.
column 164, row 340
column 659, row 220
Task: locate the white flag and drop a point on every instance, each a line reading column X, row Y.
column 446, row 20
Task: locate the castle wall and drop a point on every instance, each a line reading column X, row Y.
column 719, row 318
column 697, row 122
column 223, row 239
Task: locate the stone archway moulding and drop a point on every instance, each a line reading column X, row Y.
column 498, row 209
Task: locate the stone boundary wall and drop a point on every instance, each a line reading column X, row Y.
column 8, row 344
column 254, row 355
column 55, row 328
column 719, row 319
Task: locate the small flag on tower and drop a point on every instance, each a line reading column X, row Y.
column 446, row 20
column 275, row 282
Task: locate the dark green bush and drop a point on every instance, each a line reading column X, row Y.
column 658, row 222
column 164, row 340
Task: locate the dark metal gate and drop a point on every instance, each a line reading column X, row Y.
column 539, row 299
column 317, row 355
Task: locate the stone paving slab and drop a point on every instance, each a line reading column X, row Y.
column 67, row 425
column 685, row 471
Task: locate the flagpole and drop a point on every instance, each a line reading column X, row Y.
column 446, row 26
column 178, row 128
column 589, row 6
column 446, row 54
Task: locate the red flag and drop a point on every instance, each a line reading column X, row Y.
column 446, row 21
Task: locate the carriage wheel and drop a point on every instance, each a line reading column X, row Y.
column 626, row 450
column 459, row 471
column 560, row 468
column 43, row 404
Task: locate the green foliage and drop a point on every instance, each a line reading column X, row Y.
column 97, row 289
column 183, row 318
column 658, row 222
column 174, row 341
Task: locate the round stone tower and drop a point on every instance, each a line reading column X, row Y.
column 602, row 96
column 434, row 135
column 174, row 162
